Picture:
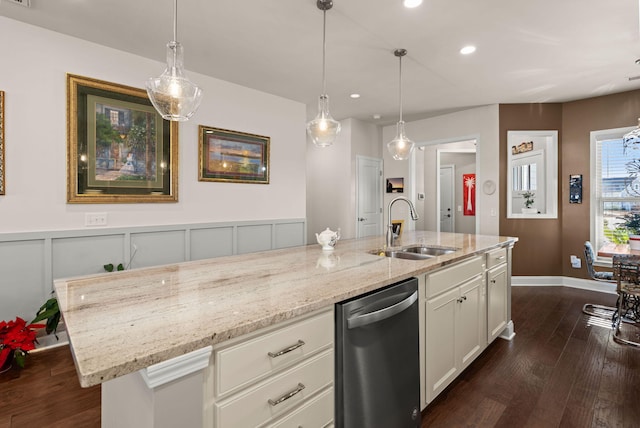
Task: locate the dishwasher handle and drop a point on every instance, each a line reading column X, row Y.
column 381, row 314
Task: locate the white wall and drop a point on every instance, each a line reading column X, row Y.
column 33, row 76
column 480, row 123
column 331, row 178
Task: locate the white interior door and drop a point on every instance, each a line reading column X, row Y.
column 369, row 196
column 446, row 198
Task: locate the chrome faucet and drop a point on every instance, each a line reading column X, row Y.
column 412, row 210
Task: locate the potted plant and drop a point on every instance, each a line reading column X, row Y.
column 529, row 199
column 16, row 340
column 632, row 225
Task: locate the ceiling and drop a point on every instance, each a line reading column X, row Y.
column 527, row 51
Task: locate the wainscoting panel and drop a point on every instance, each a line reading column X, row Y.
column 212, row 242
column 289, row 235
column 84, row 255
column 254, row 238
column 22, row 281
column 31, row 261
column 157, row 248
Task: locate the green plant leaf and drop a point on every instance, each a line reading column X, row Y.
column 120, row 266
column 109, row 267
column 20, row 357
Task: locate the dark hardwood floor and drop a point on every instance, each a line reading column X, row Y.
column 562, row 369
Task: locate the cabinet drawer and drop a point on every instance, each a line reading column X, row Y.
column 251, row 361
column 318, row 412
column 445, row 279
column 252, row 408
column 496, row 257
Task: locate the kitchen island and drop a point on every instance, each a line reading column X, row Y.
column 161, row 324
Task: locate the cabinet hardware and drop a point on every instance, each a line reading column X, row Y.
column 500, row 258
column 287, row 395
column 461, row 299
column 493, row 281
column 286, row 350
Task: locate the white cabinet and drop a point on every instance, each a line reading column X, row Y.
column 455, row 322
column 497, row 293
column 280, row 376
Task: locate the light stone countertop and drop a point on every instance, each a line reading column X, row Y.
column 122, row 322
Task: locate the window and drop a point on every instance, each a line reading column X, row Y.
column 615, row 189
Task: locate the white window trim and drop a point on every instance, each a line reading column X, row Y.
column 595, row 136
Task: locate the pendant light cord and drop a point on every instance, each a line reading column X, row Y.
column 400, row 88
column 175, row 20
column 324, row 50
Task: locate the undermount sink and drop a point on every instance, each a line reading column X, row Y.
column 416, row 252
column 428, row 250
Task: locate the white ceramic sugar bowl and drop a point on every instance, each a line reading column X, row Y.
column 328, row 239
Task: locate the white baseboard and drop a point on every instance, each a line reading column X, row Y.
column 564, row 281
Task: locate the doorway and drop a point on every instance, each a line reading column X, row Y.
column 461, row 155
column 368, row 196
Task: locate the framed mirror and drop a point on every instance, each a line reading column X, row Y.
column 532, row 174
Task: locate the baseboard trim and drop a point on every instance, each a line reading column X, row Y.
column 564, row 281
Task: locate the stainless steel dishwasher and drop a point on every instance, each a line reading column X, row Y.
column 377, row 381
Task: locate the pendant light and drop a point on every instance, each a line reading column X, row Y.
column 323, row 129
column 401, row 146
column 173, row 94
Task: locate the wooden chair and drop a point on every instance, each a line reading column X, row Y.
column 600, row 311
column 626, row 269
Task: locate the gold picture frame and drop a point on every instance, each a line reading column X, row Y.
column 232, row 156
column 119, row 149
column 2, row 175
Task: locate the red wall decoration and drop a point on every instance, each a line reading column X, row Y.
column 469, row 193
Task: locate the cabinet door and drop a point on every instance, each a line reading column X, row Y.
column 497, row 301
column 470, row 330
column 441, row 367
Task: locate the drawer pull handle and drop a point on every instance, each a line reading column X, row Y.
column 500, row 258
column 286, row 350
column 493, row 281
column 287, row 395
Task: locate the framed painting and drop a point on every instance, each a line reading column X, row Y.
column 119, row 149
column 2, row 182
column 231, row 156
column 396, row 228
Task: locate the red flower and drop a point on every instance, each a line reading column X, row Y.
column 19, row 337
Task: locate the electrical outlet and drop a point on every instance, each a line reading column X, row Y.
column 95, row 219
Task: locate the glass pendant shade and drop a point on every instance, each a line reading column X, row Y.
column 632, row 137
column 323, row 129
column 173, row 94
column 401, row 146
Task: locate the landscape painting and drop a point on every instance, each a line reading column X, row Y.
column 233, row 156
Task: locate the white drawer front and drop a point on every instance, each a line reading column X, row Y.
column 249, row 361
column 496, row 257
column 318, row 412
column 445, row 279
column 252, row 408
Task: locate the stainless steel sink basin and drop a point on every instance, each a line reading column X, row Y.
column 416, row 252
column 428, row 250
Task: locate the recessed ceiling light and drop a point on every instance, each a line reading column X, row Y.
column 376, row 116
column 355, row 96
column 411, row 3
column 468, row 50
